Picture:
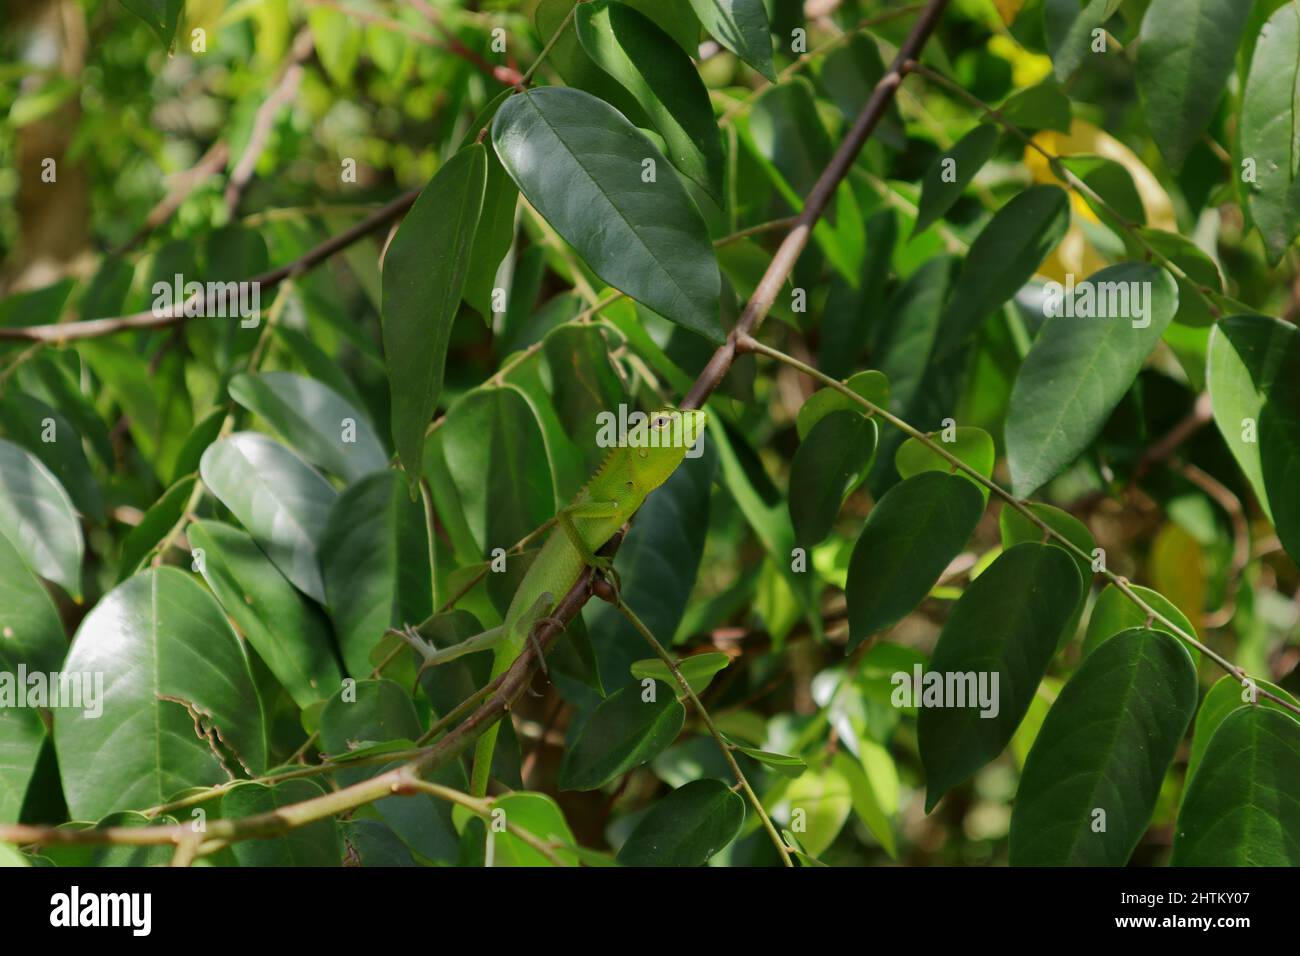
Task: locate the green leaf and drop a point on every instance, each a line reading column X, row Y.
column 1044, row 106
column 741, row 26
column 698, row 669
column 495, row 233
column 820, row 802
column 1240, row 808
column 38, row 518
column 1201, row 270
column 866, row 800
column 48, row 435
column 496, row 454
column 910, row 536
column 1007, row 623
column 1015, row 529
column 783, row 764
column 1114, row 612
column 1223, row 698
column 951, row 172
column 1113, row 183
column 786, row 132
column 1068, row 31
column 312, row 844
column 541, row 816
column 280, row 499
column 424, row 273
column 320, row 424
column 579, row 162
column 374, row 557
column 123, row 855
column 288, row 632
column 172, row 665
column 624, row 732
column 1003, row 257
column 154, row 526
column 630, row 48
column 687, row 827
column 1185, row 55
column 830, row 462
column 1080, row 367
column 383, row 711
column 850, row 73
column 161, row 16
column 22, row 736
column 1253, row 374
column 972, row 445
column 1270, row 111
column 372, row 843
column 1092, row 779
column 871, row 385
column 30, row 629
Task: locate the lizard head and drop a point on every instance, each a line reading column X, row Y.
column 672, row 432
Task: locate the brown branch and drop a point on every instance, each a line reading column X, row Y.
column 782, row 264
column 286, row 88
column 95, row 328
column 520, row 674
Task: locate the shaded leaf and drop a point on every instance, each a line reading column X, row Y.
column 38, row 518
column 624, row 732
column 686, row 827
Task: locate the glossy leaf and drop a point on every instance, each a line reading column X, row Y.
column 1079, row 368
column 741, row 26
column 1007, row 623
column 1114, row 613
column 288, row 632
column 38, row 518
column 624, row 732
column 974, row 446
column 580, row 163
column 52, row 438
column 424, row 272
column 635, row 52
column 698, row 669
column 374, row 557
column 910, row 536
column 154, row 526
column 687, row 827
column 320, row 425
column 281, row 500
column 871, row 385
column 171, row 665
column 823, row 799
column 1091, row 781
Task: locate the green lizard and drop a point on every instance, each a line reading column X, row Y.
column 619, row 486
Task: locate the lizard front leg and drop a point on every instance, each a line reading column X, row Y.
column 590, row 509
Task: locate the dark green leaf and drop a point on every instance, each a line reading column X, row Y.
column 1240, row 808
column 288, row 632
column 313, row 844
column 630, row 48
column 686, row 827
column 154, row 526
column 1005, row 627
column 1185, row 54
column 1091, row 781
column 830, row 462
column 424, row 273
column 624, row 732
column 951, row 172
column 741, row 26
column 1223, row 698
column 38, row 518
column 374, row 557
column 160, row 15
column 580, row 163
column 53, row 439
column 1080, row 367
column 910, row 536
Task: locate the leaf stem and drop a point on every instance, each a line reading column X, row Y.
column 750, row 344
column 741, row 780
